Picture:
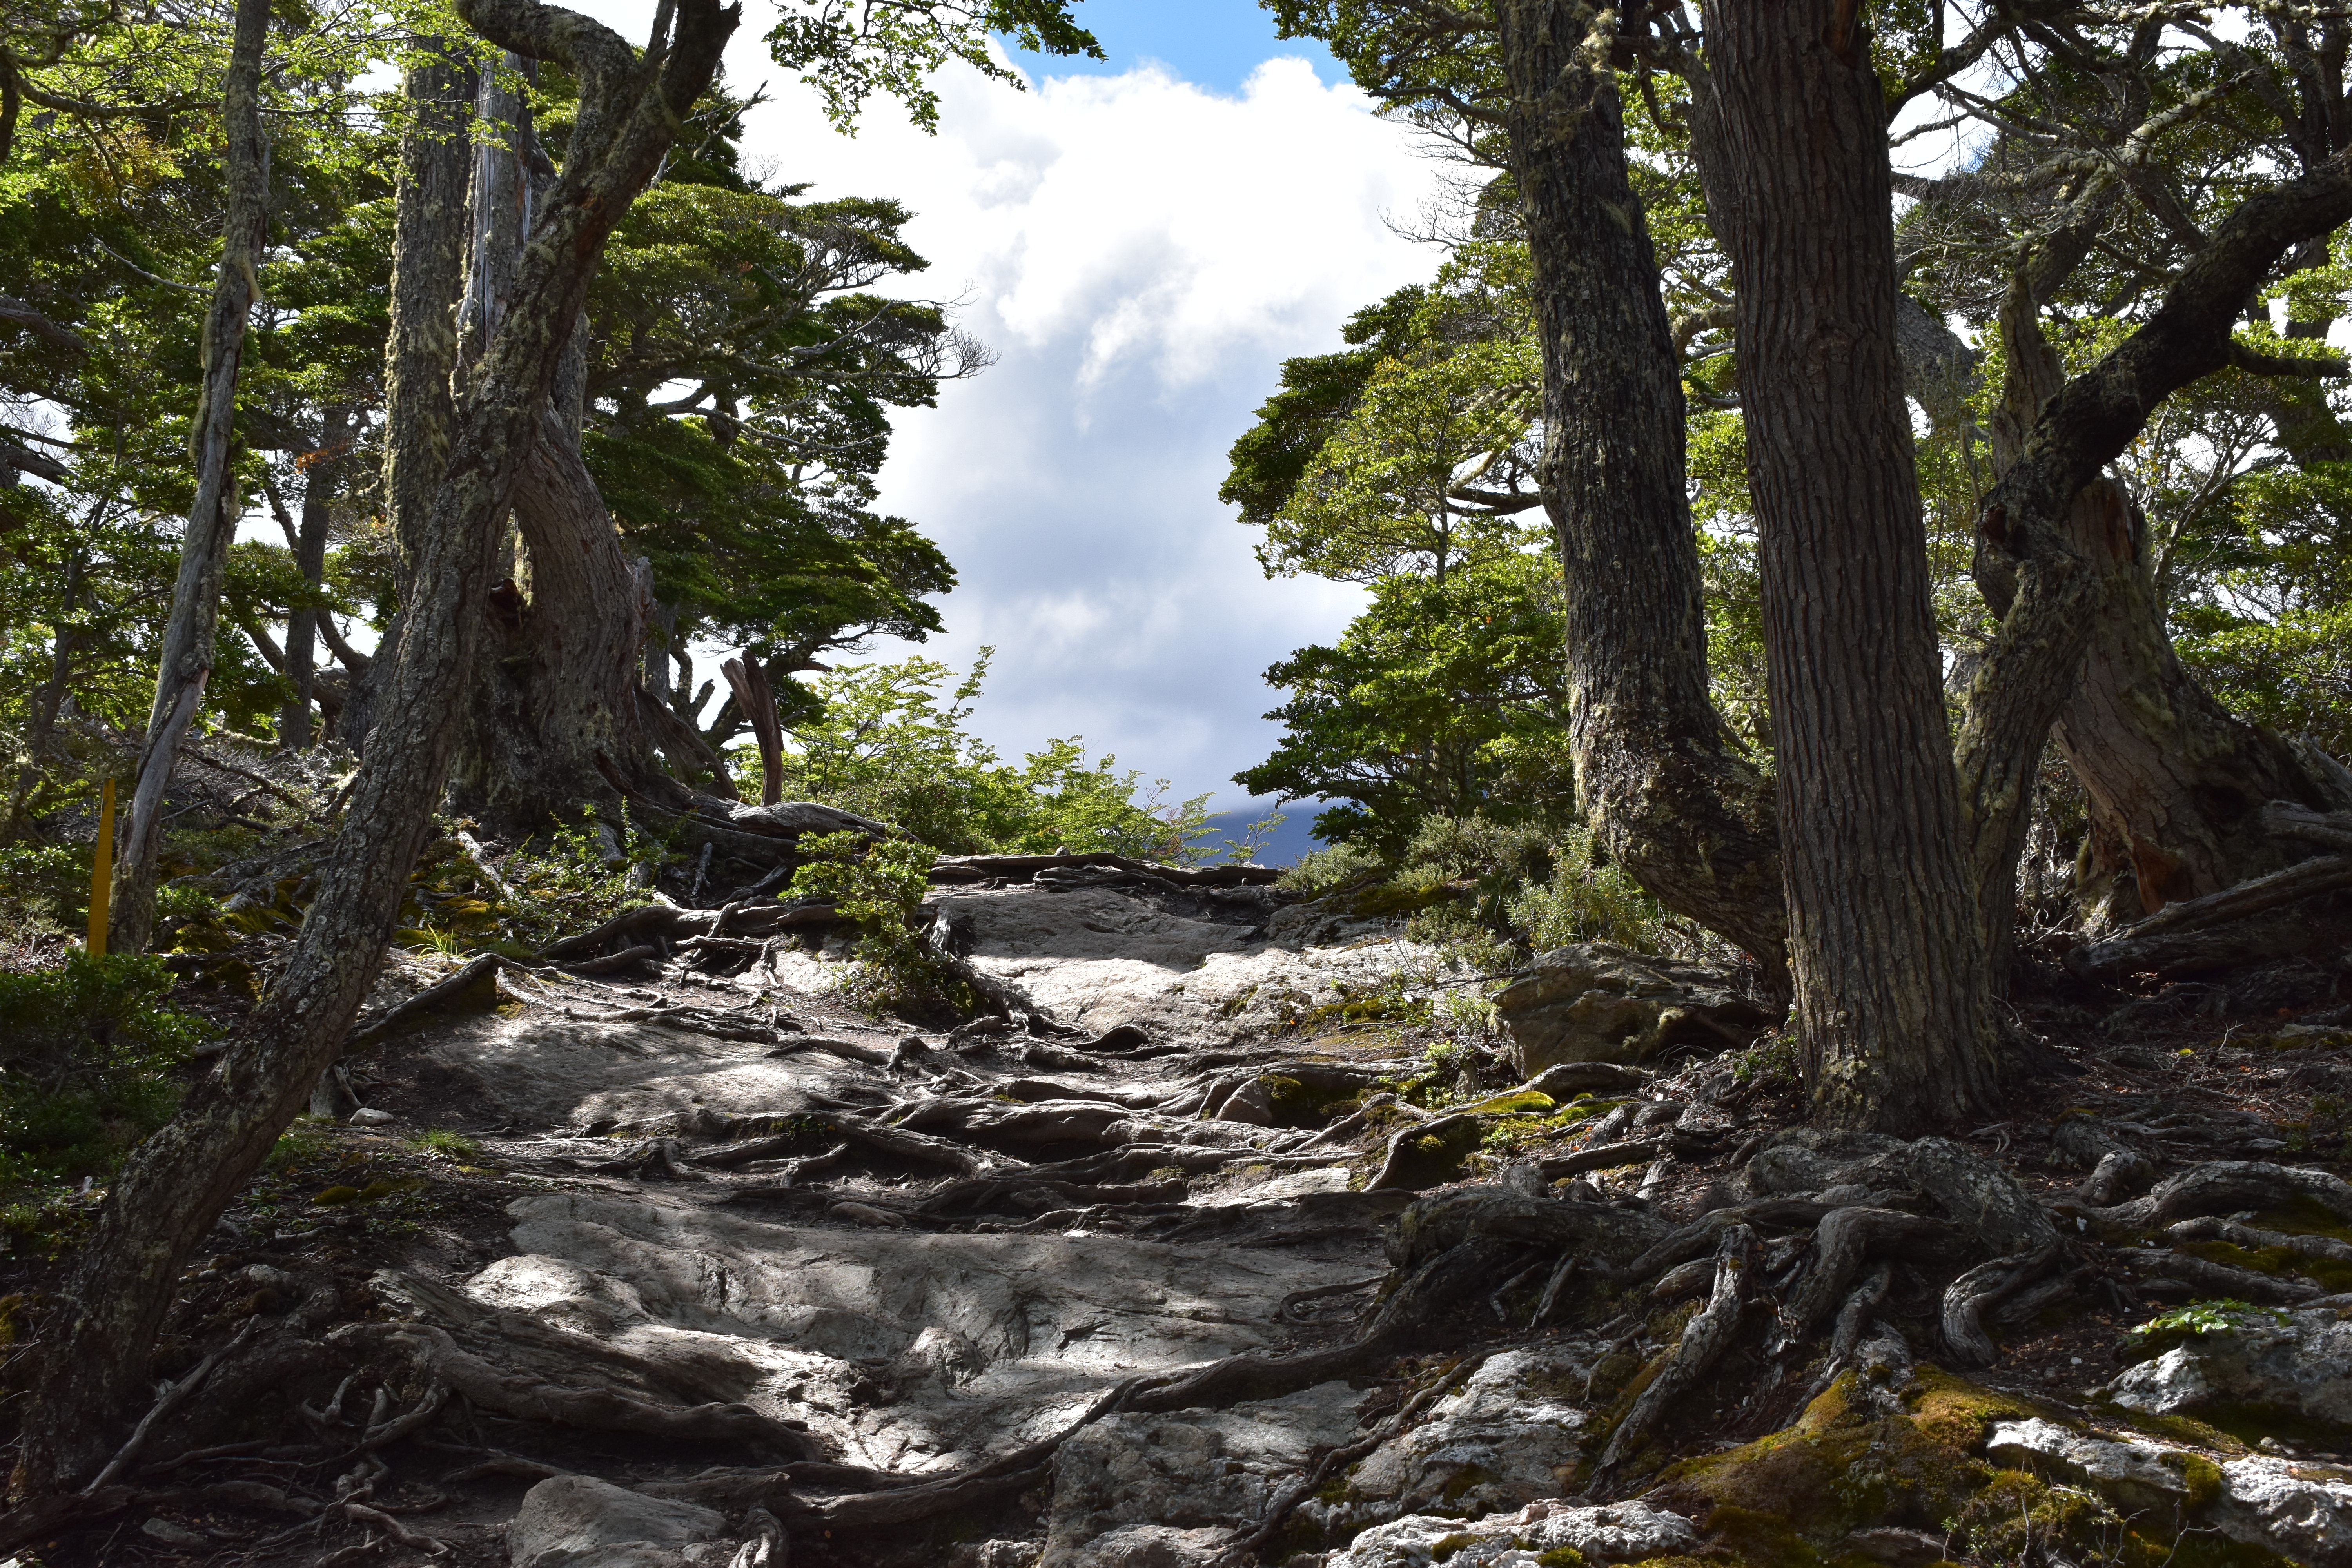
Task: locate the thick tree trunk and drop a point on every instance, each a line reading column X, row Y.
column 323, row 476
column 1883, row 939
column 558, row 690
column 2176, row 782
column 554, row 716
column 190, row 634
column 176, row 1183
column 1667, row 795
column 2058, row 558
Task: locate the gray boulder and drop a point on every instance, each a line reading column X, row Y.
column 2301, row 1367
column 2298, row 1511
column 1595, row 1003
column 1617, row 1532
column 578, row 1522
column 1143, row 1492
column 1509, row 1435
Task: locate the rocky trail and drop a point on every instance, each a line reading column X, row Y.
column 1191, row 1252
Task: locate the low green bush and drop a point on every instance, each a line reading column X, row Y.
column 88, row 1060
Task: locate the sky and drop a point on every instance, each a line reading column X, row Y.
column 1143, row 241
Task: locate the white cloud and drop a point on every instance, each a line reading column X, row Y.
column 1142, row 254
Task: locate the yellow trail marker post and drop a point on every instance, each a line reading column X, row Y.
column 101, row 872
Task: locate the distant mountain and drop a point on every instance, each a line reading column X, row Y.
column 1294, row 838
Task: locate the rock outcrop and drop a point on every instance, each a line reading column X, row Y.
column 1600, row 1004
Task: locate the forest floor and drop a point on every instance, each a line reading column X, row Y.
column 1145, row 1283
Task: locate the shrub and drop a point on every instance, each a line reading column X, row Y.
column 878, row 886
column 44, row 886
column 1585, row 901
column 88, row 1054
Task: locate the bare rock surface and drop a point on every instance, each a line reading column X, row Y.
column 1124, row 1486
column 1595, row 1003
column 904, row 1351
column 2298, row 1368
column 705, row 1264
column 578, row 1522
column 1617, row 1532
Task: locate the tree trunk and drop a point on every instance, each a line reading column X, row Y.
column 188, row 652
column 324, row 476
column 757, row 699
column 420, row 351
column 1667, row 795
column 558, row 689
column 1884, row 941
column 176, row 1183
column 2176, row 782
column 554, row 715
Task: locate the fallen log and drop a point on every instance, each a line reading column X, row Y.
column 2186, row 935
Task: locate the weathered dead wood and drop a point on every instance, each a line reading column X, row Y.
column 1705, row 1339
column 1699, row 1237
column 172, row 1399
column 960, row 869
column 2253, row 1238
column 473, row 985
column 2284, row 819
column 2221, row 1279
column 531, row 1398
column 628, row 957
column 1604, row 1157
column 2187, row 936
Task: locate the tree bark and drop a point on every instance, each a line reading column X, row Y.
column 192, row 632
column 323, row 476
column 554, row 713
column 2059, row 559
column 1668, row 796
column 176, row 1183
column 1884, row 941
column 2176, row 782
column 757, row 699
column 420, row 351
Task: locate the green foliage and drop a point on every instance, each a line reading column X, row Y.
column 447, row 1144
column 889, row 742
column 1585, row 900
column 87, row 1060
column 43, row 886
column 568, row 881
column 850, row 50
column 879, row 887
column 1442, row 698
column 1332, row 867
column 2225, row 1315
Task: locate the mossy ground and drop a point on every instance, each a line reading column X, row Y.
column 1796, row 1499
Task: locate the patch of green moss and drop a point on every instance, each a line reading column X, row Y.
column 2274, row 1260
column 2304, row 1216
column 2174, row 1428
column 1445, row 1546
column 1559, row 1557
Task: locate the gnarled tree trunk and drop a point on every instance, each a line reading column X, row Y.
column 1668, row 796
column 554, row 715
column 192, row 633
column 2176, row 782
column 175, row 1184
